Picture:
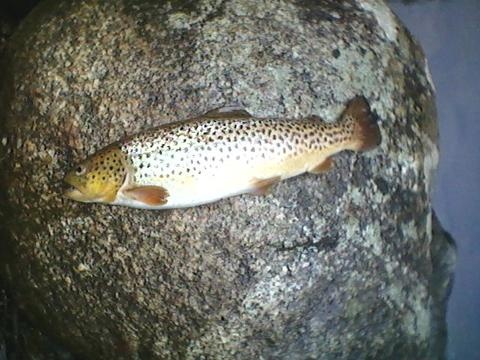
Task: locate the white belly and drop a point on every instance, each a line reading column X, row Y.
column 234, row 179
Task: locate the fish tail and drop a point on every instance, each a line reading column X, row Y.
column 366, row 133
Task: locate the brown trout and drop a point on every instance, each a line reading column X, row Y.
column 217, row 155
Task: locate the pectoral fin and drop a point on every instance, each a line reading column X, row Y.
column 325, row 165
column 263, row 186
column 149, row 195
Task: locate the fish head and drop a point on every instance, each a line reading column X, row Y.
column 98, row 178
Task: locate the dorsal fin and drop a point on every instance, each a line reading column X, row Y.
column 315, row 118
column 228, row 112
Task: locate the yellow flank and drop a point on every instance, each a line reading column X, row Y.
column 303, row 163
column 217, row 155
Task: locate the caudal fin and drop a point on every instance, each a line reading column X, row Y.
column 366, row 133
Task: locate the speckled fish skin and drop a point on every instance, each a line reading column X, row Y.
column 218, row 155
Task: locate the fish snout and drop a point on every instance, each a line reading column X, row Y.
column 71, row 190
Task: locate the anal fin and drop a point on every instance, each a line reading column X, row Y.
column 149, row 195
column 324, row 166
column 263, row 186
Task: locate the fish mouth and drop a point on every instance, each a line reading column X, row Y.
column 74, row 194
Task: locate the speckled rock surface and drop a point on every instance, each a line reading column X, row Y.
column 6, row 28
column 331, row 266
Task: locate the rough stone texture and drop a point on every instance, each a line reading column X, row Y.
column 19, row 338
column 444, row 256
column 332, row 266
column 6, row 28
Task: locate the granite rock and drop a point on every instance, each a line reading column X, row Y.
column 6, row 28
column 331, row 266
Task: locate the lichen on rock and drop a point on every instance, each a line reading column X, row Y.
column 331, row 266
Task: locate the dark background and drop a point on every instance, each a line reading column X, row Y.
column 449, row 31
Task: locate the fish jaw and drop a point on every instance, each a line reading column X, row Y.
column 77, row 195
column 73, row 192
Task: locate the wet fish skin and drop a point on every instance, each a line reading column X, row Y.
column 217, row 155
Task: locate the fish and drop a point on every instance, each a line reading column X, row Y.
column 223, row 153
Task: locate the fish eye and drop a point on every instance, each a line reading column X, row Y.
column 79, row 170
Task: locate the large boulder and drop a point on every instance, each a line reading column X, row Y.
column 331, row 266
